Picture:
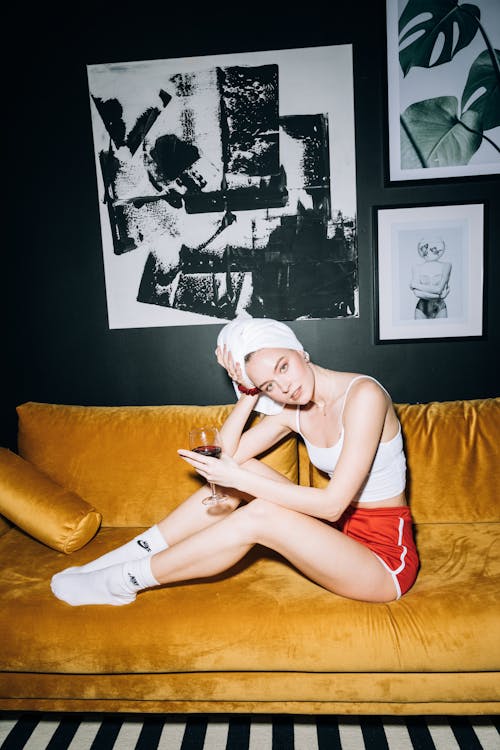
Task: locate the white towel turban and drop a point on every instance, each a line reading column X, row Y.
column 245, row 335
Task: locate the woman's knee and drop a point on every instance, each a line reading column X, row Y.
column 254, row 519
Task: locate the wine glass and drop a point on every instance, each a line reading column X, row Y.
column 206, row 441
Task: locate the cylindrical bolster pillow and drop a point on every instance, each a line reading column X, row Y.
column 31, row 500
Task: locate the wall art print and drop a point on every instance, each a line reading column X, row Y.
column 227, row 186
column 429, row 272
column 443, row 79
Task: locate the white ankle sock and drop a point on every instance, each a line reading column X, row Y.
column 116, row 585
column 148, row 543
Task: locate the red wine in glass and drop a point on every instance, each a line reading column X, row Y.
column 209, row 450
column 206, row 442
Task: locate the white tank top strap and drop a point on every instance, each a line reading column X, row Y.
column 358, row 377
column 297, row 419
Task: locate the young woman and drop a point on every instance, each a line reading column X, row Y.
column 354, row 537
column 430, row 280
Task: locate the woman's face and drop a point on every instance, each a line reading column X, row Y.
column 282, row 374
column 432, row 249
column 436, row 248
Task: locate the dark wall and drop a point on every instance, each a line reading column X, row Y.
column 57, row 344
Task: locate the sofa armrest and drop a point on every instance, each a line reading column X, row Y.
column 45, row 510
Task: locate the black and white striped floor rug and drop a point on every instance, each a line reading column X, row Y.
column 196, row 732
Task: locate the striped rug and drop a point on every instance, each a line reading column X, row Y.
column 169, row 732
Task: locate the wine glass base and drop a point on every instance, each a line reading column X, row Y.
column 214, row 500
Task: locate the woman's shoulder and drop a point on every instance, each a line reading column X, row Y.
column 350, row 379
column 366, row 403
column 285, row 418
column 365, row 387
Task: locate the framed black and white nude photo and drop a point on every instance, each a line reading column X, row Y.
column 429, row 272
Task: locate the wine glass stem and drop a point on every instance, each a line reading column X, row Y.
column 212, row 488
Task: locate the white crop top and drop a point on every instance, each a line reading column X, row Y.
column 387, row 477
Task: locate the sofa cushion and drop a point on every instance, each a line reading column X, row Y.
column 4, row 525
column 42, row 508
column 260, row 616
column 124, row 459
column 453, row 453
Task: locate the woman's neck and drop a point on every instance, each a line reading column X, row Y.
column 325, row 391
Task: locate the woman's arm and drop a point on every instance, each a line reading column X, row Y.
column 364, row 417
column 232, row 429
column 256, row 440
column 432, row 289
column 422, row 293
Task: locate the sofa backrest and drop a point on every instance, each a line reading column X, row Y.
column 453, row 460
column 123, row 460
column 453, row 454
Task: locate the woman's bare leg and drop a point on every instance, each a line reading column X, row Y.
column 322, row 553
column 192, row 516
column 188, row 518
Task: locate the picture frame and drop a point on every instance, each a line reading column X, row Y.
column 222, row 192
column 443, row 105
column 429, row 272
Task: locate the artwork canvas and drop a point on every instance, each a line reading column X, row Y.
column 227, row 186
column 443, row 85
column 429, row 272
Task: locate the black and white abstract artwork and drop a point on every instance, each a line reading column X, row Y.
column 227, row 185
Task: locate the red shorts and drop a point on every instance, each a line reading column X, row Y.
column 388, row 533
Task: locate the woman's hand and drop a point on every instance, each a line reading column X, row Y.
column 225, row 359
column 223, row 471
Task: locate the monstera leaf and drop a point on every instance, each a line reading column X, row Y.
column 483, row 75
column 433, row 136
column 440, row 18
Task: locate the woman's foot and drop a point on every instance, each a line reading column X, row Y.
column 115, row 585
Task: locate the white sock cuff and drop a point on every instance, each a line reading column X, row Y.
column 143, row 573
column 157, row 538
column 151, row 540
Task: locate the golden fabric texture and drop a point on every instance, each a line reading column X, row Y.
column 317, row 707
column 4, row 525
column 42, row 508
column 123, row 460
column 261, row 637
column 271, row 689
column 260, row 615
column 453, row 457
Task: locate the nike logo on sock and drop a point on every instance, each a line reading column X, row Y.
column 143, row 543
column 133, row 580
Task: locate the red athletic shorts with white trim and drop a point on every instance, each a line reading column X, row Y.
column 388, row 532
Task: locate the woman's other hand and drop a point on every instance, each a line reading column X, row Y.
column 223, row 471
column 225, row 359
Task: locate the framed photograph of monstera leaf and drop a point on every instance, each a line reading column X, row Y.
column 443, row 88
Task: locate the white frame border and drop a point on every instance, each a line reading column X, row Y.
column 388, row 327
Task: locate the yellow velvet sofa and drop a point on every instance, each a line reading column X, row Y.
column 261, row 638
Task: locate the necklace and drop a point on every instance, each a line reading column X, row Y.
column 323, row 408
column 326, row 404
